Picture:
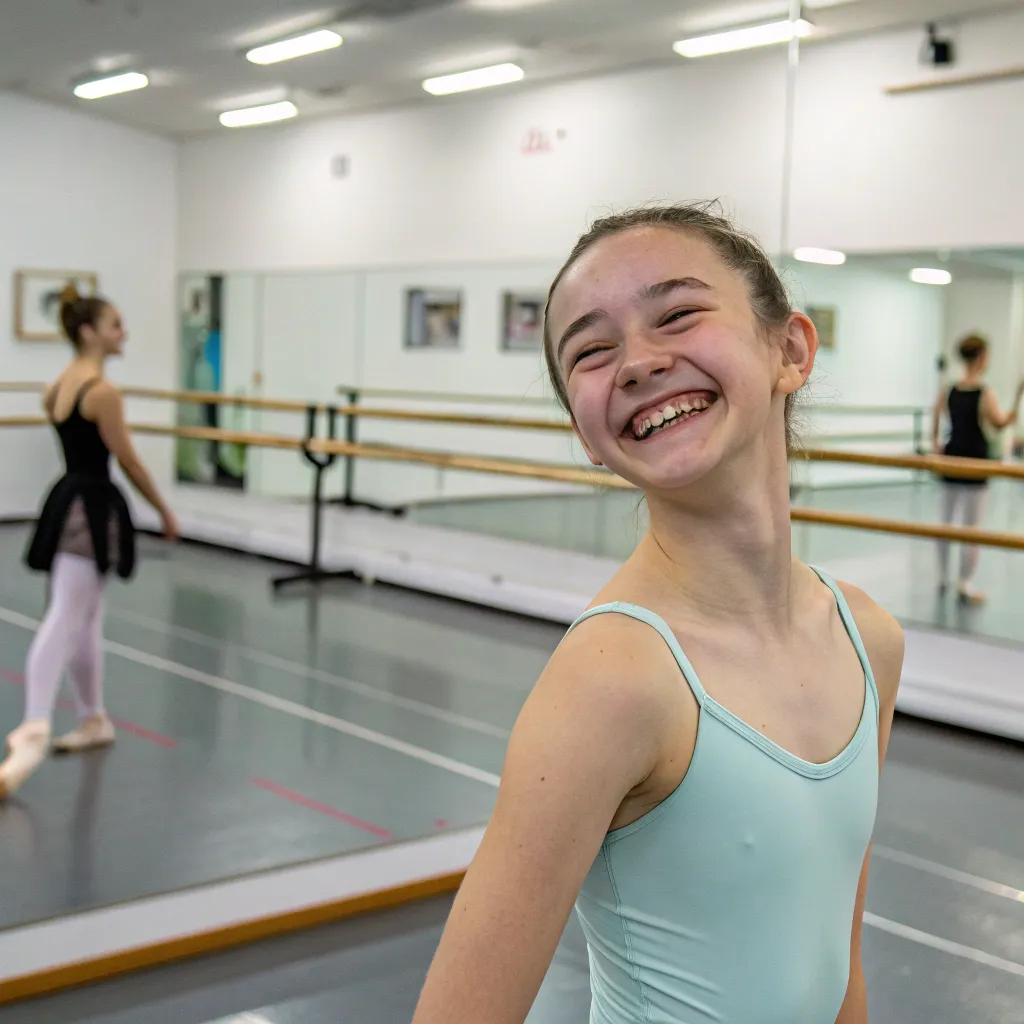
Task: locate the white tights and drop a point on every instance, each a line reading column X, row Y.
column 967, row 502
column 70, row 637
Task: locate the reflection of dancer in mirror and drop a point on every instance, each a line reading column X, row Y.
column 972, row 409
column 84, row 531
column 720, row 878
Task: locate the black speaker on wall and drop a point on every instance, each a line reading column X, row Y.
column 937, row 51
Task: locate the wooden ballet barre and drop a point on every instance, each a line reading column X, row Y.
column 454, row 397
column 279, row 405
column 472, row 463
column 288, row 405
column 410, row 415
column 190, row 397
column 219, row 398
column 973, row 469
column 563, row 474
column 591, row 478
column 862, row 410
column 23, row 421
column 284, row 405
column 930, row 531
column 480, row 399
column 968, row 469
column 246, row 438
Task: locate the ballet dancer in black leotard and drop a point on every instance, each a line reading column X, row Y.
column 84, row 531
column 972, row 408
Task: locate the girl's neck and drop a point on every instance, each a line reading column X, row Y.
column 729, row 553
column 93, row 362
column 972, row 379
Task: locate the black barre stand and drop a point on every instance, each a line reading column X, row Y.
column 313, row 573
column 348, row 498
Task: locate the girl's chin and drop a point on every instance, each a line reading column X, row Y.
column 664, row 471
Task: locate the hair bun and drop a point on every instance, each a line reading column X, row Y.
column 69, row 294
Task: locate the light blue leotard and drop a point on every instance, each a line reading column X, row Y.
column 732, row 901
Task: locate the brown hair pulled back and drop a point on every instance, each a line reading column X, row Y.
column 739, row 250
column 972, row 348
column 78, row 311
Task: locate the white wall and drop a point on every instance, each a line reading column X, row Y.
column 448, row 182
column 80, row 193
column 932, row 169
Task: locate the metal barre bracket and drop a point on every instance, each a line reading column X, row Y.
column 314, row 572
column 348, row 498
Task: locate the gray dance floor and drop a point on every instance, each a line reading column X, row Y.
column 236, row 754
column 945, row 942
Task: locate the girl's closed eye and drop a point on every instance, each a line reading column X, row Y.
column 584, row 353
column 677, row 315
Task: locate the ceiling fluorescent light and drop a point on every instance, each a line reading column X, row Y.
column 482, row 78
column 297, row 46
column 111, row 85
column 263, row 114
column 744, row 38
column 830, row 257
column 928, row 275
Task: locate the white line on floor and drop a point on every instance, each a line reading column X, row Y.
column 244, row 1018
column 944, row 945
column 268, row 700
column 929, row 866
column 309, row 672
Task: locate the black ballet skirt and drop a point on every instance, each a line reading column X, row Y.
column 87, row 479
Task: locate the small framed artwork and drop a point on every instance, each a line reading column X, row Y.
column 37, row 300
column 522, row 322
column 824, row 319
column 433, row 318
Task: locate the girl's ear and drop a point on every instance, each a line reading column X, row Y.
column 799, row 345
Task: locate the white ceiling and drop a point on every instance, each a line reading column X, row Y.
column 193, row 49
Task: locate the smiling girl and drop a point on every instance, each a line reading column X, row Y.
column 709, row 812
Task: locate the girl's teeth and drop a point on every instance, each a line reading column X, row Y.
column 669, row 413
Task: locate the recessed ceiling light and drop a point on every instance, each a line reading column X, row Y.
column 297, row 46
column 744, row 38
column 111, row 85
column 263, row 114
column 830, row 257
column 481, row 78
column 929, row 275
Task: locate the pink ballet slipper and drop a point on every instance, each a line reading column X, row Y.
column 94, row 731
column 27, row 747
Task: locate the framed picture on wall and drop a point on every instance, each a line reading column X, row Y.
column 37, row 301
column 824, row 319
column 433, row 318
column 522, row 322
